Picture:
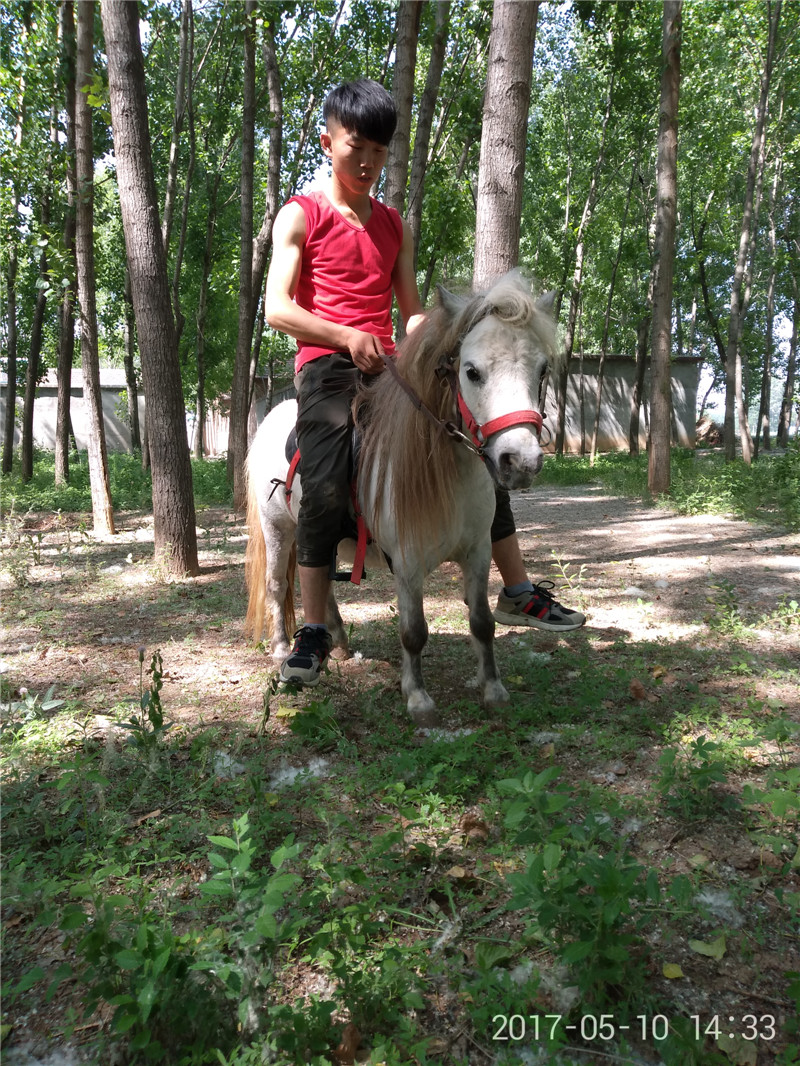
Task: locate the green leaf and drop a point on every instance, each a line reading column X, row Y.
column 551, row 857
column 216, row 888
column 224, row 842
column 73, row 918
column 123, row 1021
column 266, row 925
column 714, row 950
column 28, row 980
column 61, row 974
column 128, row 959
column 488, row 955
column 577, row 951
column 161, row 960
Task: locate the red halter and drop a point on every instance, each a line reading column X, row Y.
column 481, row 434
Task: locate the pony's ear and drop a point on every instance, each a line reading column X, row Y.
column 546, row 302
column 452, row 304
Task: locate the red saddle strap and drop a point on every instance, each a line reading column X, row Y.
column 362, row 533
column 293, row 465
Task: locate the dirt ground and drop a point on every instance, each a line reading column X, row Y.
column 645, row 573
column 640, row 574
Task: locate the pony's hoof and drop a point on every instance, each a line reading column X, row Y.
column 341, row 652
column 280, row 652
column 422, row 711
column 495, row 695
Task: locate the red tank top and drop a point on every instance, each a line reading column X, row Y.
column 346, row 276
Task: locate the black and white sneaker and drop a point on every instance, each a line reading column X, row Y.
column 538, row 608
column 306, row 659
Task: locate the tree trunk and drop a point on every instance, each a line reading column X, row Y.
column 11, row 269
column 202, row 310
column 734, row 400
column 66, row 331
column 32, row 374
column 102, row 510
column 504, row 139
column 607, row 317
column 37, row 324
column 409, row 13
column 785, row 420
column 642, row 345
column 173, row 504
column 180, row 320
column 713, row 321
column 131, row 384
column 577, row 275
column 184, row 62
column 425, row 113
column 237, row 435
column 263, row 241
column 762, row 425
column 658, row 475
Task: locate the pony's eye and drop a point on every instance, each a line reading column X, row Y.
column 473, row 374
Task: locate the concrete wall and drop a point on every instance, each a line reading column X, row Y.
column 615, row 404
column 112, row 385
column 614, row 414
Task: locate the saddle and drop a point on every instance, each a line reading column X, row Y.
column 354, row 527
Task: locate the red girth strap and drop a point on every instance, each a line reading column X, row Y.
column 290, row 475
column 480, row 434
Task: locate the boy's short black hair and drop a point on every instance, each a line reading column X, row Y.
column 363, row 107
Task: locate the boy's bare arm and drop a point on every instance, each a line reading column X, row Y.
column 404, row 280
column 282, row 313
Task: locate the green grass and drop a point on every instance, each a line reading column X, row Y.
column 701, row 483
column 189, row 901
column 131, row 486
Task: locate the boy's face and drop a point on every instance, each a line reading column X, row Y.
column 357, row 161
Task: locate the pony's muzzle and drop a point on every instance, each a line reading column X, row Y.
column 518, row 471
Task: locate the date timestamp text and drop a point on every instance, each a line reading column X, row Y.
column 605, row 1027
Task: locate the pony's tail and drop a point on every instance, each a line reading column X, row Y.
column 255, row 568
column 258, row 621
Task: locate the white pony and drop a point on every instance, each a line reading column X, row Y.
column 467, row 410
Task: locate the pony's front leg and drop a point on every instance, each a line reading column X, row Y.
column 333, row 619
column 413, row 637
column 481, row 625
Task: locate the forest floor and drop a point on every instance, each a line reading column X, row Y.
column 693, row 631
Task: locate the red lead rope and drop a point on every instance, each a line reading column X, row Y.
column 480, row 434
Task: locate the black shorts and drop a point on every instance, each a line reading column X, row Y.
column 325, row 390
column 503, row 525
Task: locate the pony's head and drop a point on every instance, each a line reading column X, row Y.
column 501, row 344
column 498, row 345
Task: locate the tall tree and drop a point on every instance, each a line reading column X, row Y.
column 66, row 330
column 37, row 324
column 11, row 270
column 237, row 434
column 503, row 139
column 102, row 509
column 658, row 475
column 409, row 13
column 577, row 274
column 425, row 114
column 734, row 396
column 173, row 504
